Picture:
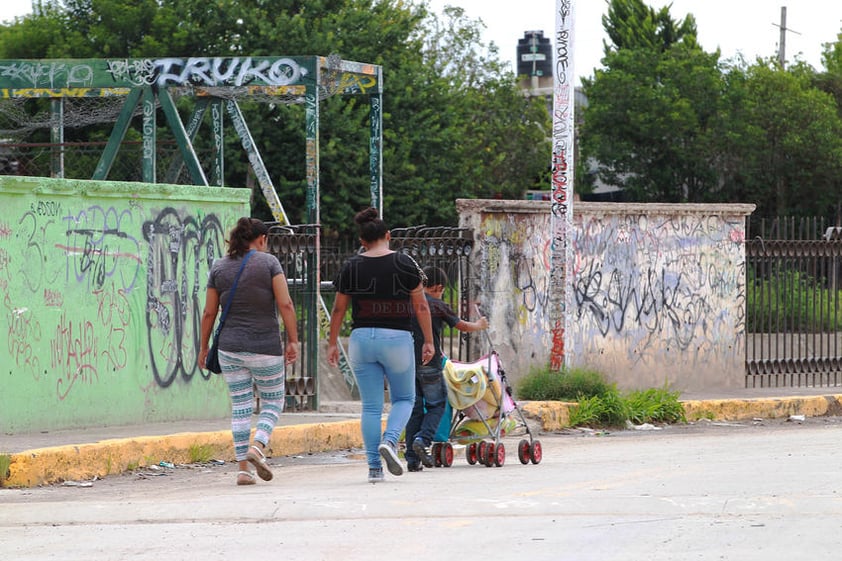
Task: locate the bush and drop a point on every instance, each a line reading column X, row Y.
column 788, row 300
column 608, row 409
column 654, row 406
column 598, row 403
column 550, row 385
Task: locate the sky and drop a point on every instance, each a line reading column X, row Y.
column 747, row 27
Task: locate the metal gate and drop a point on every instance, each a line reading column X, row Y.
column 794, row 309
column 295, row 248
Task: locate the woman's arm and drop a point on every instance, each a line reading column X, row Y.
column 208, row 319
column 422, row 314
column 337, row 315
column 286, row 309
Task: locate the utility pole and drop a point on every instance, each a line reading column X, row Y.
column 782, row 42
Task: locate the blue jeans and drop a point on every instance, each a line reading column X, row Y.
column 429, row 383
column 374, row 353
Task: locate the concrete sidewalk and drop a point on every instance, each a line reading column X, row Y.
column 76, row 455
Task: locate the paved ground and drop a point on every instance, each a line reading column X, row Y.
column 710, row 491
column 84, row 454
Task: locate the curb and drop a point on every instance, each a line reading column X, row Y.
column 44, row 466
column 555, row 415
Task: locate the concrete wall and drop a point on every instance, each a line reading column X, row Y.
column 101, row 292
column 657, row 290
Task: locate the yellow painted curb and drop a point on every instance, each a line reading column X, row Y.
column 555, row 415
column 764, row 408
column 84, row 461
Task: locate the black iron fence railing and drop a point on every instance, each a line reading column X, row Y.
column 794, row 305
column 295, row 248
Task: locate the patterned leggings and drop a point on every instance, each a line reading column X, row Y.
column 241, row 372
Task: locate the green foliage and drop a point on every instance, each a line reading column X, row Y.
column 200, row 453
column 669, row 122
column 790, row 300
column 568, row 385
column 598, row 403
column 650, row 120
column 631, row 24
column 608, row 409
column 455, row 124
column 5, row 463
column 654, row 405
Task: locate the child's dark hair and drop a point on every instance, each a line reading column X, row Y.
column 435, row 276
column 246, row 231
column 372, row 227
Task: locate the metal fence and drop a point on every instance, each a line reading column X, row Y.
column 793, row 304
column 295, row 248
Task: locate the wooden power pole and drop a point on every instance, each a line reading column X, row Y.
column 782, row 42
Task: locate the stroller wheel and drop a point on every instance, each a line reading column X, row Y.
column 446, row 454
column 437, row 454
column 471, row 453
column 500, row 455
column 535, row 452
column 523, row 451
column 489, row 455
column 482, row 447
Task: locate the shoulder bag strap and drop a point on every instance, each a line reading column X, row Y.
column 233, row 290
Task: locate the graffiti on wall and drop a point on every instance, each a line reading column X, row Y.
column 78, row 282
column 179, row 249
column 515, row 269
column 647, row 284
column 659, row 284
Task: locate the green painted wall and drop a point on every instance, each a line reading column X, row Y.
column 102, row 287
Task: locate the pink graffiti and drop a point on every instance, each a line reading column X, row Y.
column 53, row 298
column 23, row 331
column 73, row 353
column 738, row 235
column 5, row 231
column 113, row 315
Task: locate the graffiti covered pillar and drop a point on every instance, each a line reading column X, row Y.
column 311, row 104
column 376, row 150
column 562, row 183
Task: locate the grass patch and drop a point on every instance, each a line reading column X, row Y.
column 200, row 453
column 568, row 385
column 5, row 464
column 655, row 405
column 599, row 403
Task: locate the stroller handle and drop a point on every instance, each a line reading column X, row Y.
column 485, row 331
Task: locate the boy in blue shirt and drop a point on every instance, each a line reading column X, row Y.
column 430, row 389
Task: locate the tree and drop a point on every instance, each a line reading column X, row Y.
column 649, row 121
column 780, row 143
column 630, row 24
column 455, row 123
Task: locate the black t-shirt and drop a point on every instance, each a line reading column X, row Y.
column 440, row 313
column 379, row 288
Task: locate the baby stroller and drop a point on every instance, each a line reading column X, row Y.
column 483, row 412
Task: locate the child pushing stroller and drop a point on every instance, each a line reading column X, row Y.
column 430, row 388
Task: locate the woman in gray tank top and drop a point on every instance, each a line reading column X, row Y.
column 251, row 352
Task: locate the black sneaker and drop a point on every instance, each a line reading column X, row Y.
column 421, row 451
column 414, row 467
column 390, row 456
column 375, row 475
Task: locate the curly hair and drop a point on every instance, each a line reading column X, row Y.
column 372, row 227
column 243, row 233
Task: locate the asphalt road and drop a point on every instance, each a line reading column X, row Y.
column 712, row 491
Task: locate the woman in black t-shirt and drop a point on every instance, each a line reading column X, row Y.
column 384, row 289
